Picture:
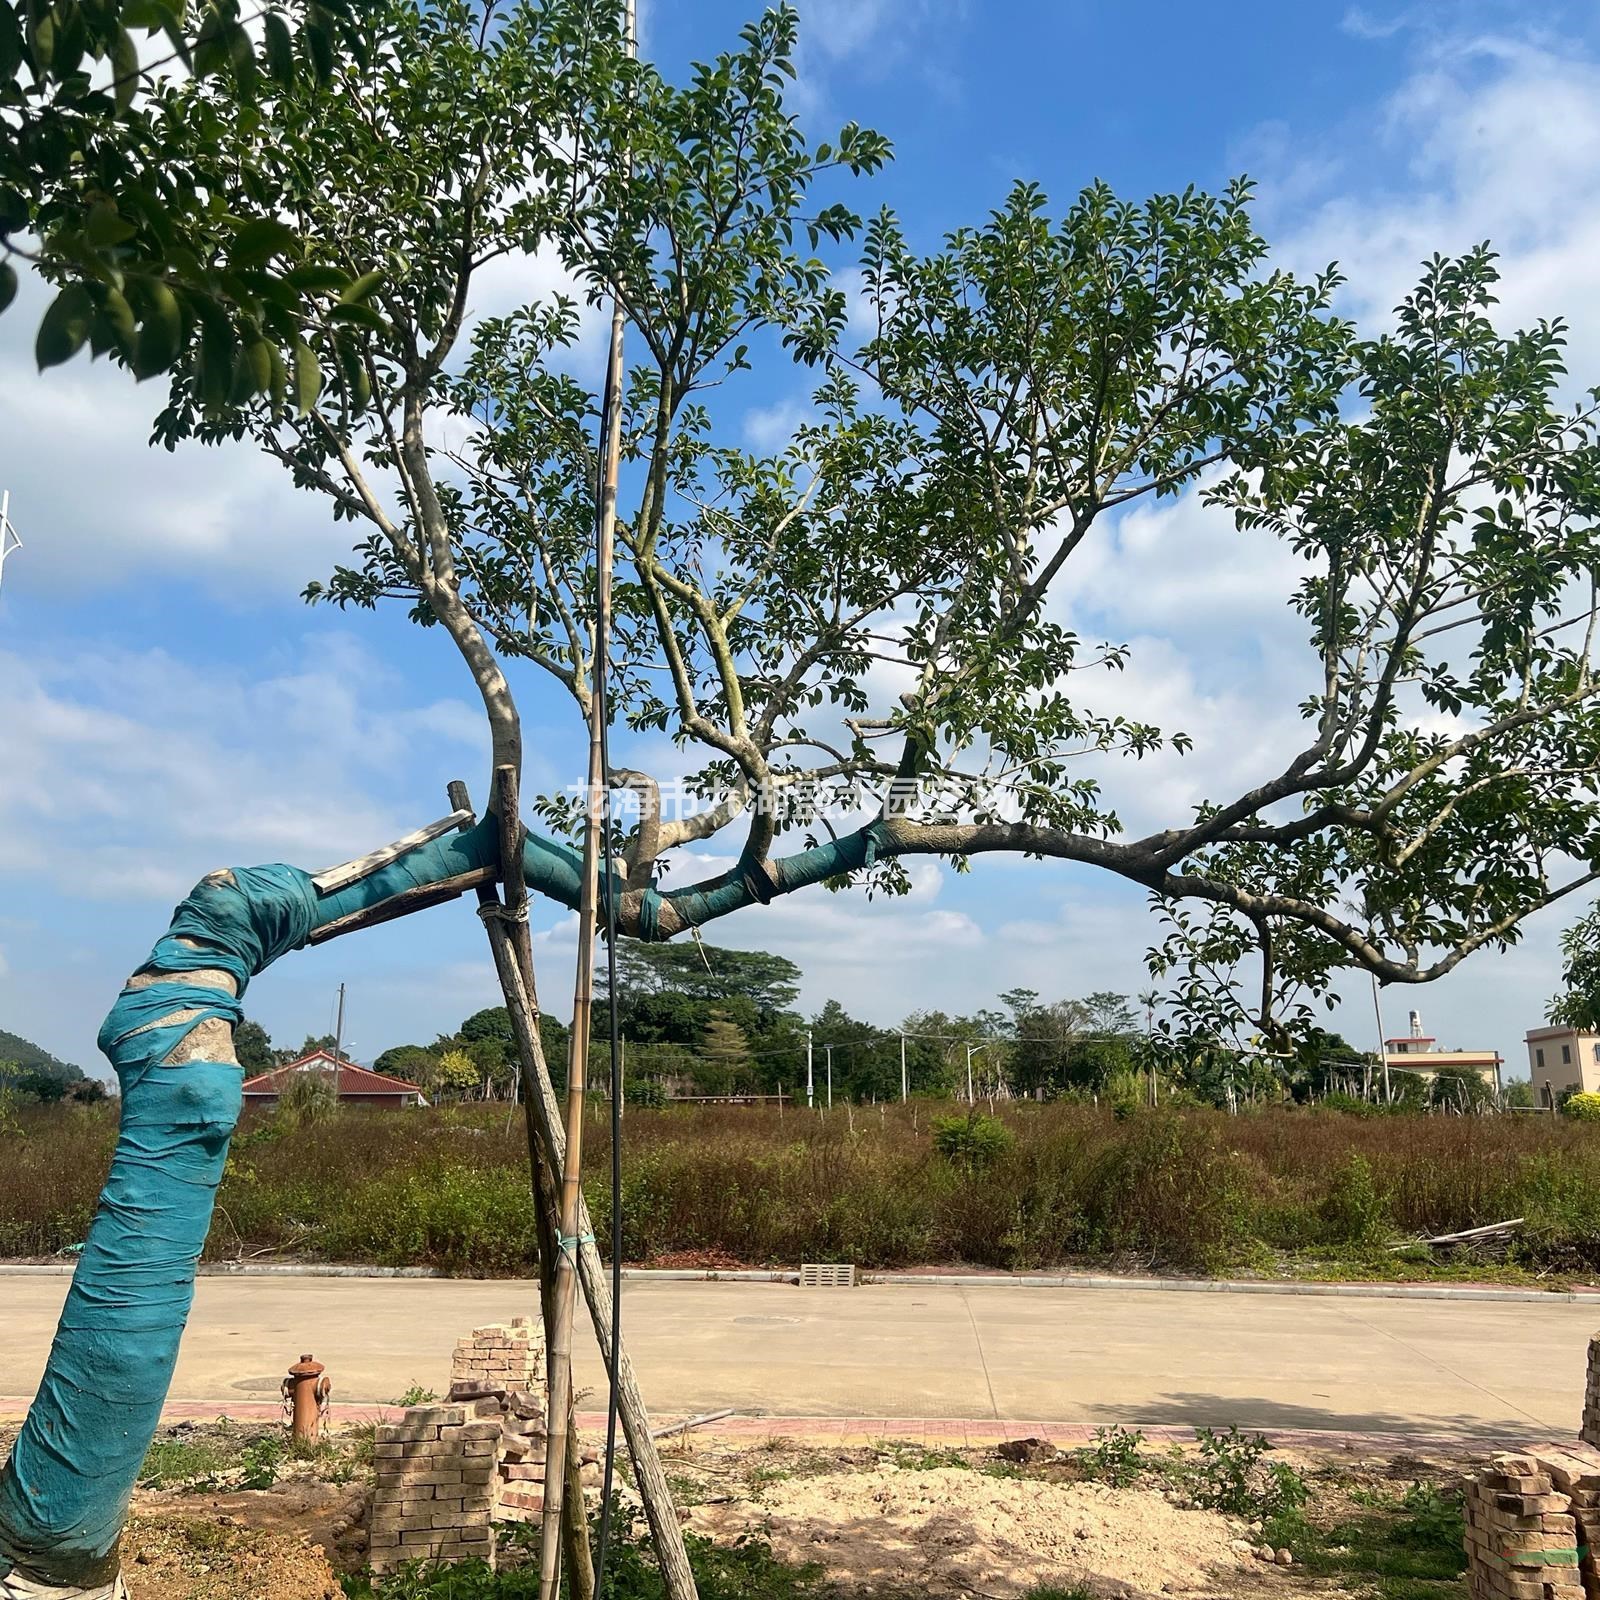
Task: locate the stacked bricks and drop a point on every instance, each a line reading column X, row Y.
column 446, row 1473
column 435, row 1487
column 1575, row 1472
column 498, row 1372
column 1522, row 1538
column 1590, row 1431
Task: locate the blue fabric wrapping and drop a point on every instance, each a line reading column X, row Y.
column 65, row 1489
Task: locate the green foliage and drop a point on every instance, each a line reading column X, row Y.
column 456, row 1073
column 306, row 1098
column 1406, row 1549
column 1232, row 1476
column 117, row 183
column 1582, row 1107
column 416, row 1395
column 253, row 1046
column 974, row 1142
column 1459, row 1089
column 1169, row 1190
column 23, row 1054
column 1356, row 1210
column 1114, row 1456
column 744, row 1570
column 1517, row 1094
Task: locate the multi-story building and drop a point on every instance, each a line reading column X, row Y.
column 1562, row 1059
column 1419, row 1053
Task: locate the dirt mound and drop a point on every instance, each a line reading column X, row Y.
column 950, row 1531
column 194, row 1558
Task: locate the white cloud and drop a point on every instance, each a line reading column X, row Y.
column 130, row 773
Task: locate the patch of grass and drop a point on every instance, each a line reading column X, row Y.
column 926, row 1458
column 176, row 1463
column 416, row 1395
column 1406, row 1548
column 746, row 1570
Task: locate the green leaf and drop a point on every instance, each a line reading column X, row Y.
column 8, row 284
column 124, row 69
column 64, row 327
column 260, row 240
column 278, row 379
column 105, row 225
column 307, row 377
column 161, row 332
column 10, row 44
column 258, row 361
column 321, row 49
column 313, row 277
column 359, row 316
column 215, row 371
column 279, row 48
column 117, row 314
column 363, row 288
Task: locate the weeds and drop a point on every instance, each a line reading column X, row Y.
column 1410, row 1549
column 1187, row 1190
column 416, row 1395
column 1114, row 1456
column 1232, row 1476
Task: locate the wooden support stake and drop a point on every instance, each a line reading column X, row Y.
column 544, row 1107
column 574, row 1524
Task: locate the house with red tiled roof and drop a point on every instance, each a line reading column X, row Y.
column 357, row 1085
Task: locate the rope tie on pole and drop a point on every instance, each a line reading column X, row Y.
column 498, row 911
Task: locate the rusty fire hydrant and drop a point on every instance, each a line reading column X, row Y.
column 305, row 1398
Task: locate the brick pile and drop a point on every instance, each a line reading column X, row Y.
column 1533, row 1518
column 1521, row 1535
column 499, row 1372
column 1590, row 1431
column 434, row 1491
column 447, row 1473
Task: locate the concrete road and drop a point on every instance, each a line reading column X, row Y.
column 1073, row 1356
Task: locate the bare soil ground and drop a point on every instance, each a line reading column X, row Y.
column 890, row 1520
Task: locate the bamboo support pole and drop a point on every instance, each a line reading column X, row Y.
column 596, row 814
column 574, row 1228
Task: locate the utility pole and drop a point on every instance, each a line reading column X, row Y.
column 905, row 1087
column 972, row 1099
column 811, row 1096
column 1383, row 1047
column 829, row 1049
column 338, row 1033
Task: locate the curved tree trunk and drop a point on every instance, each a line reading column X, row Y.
column 65, row 1490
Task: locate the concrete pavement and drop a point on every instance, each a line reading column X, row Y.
column 1436, row 1367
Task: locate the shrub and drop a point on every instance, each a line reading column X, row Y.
column 975, row 1141
column 1114, row 1456
column 1582, row 1107
column 1232, row 1477
column 1356, row 1211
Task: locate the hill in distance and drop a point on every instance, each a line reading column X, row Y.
column 35, row 1058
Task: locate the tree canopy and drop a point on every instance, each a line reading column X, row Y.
column 857, row 640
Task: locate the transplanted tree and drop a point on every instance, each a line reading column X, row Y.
column 1017, row 389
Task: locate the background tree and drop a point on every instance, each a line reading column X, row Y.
column 253, row 1046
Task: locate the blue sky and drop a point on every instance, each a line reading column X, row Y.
column 167, row 704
